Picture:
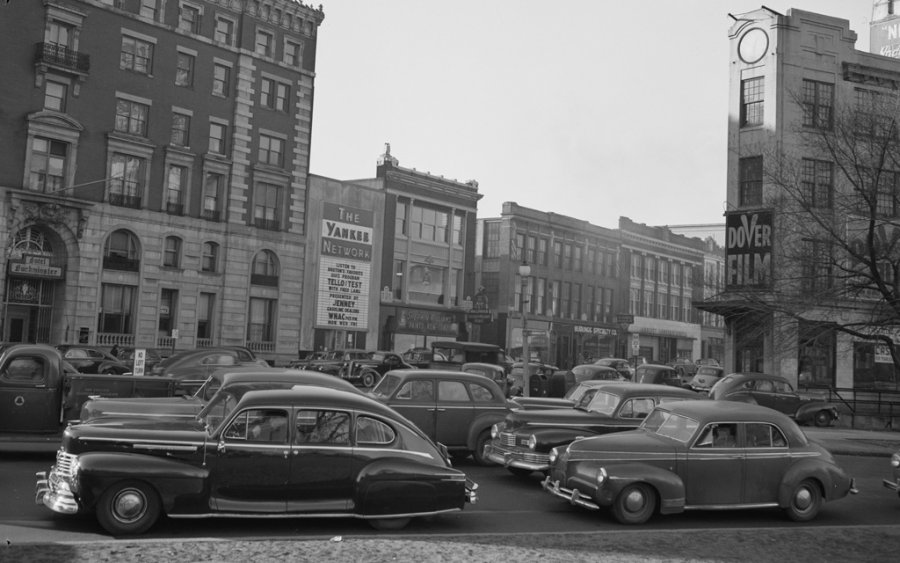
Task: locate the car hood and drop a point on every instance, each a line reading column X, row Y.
column 554, row 417
column 536, row 403
column 132, row 433
column 183, row 407
column 619, row 444
column 703, row 381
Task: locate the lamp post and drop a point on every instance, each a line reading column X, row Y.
column 524, row 272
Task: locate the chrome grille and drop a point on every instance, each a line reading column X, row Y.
column 507, row 439
column 65, row 464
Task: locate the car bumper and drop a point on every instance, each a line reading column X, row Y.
column 50, row 491
column 471, row 491
column 574, row 496
column 892, row 485
column 526, row 459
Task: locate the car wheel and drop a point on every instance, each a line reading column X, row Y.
column 480, row 443
column 127, row 508
column 368, row 379
column 805, row 502
column 520, row 472
column 823, row 418
column 388, row 524
column 635, row 504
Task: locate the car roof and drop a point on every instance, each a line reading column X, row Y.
column 626, row 388
column 705, row 410
column 235, row 375
column 313, row 396
column 594, row 367
column 754, row 375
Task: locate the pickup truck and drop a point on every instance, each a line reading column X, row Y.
column 40, row 392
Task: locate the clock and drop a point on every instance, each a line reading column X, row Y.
column 753, row 45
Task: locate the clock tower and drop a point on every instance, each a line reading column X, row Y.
column 884, row 31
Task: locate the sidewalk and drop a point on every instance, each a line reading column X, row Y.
column 848, row 441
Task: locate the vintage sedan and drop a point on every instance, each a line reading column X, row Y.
column 572, row 396
column 197, row 365
column 621, row 365
column 230, row 383
column 454, row 408
column 894, row 483
column 89, row 359
column 367, row 371
column 522, row 442
column 698, row 455
column 314, row 452
column 705, row 378
column 775, row 392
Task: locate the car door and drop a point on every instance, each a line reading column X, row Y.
column 321, row 477
column 415, row 399
column 251, row 468
column 715, row 468
column 767, row 459
column 788, row 400
column 764, row 394
column 455, row 413
column 29, row 395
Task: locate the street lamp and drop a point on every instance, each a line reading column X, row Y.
column 524, row 272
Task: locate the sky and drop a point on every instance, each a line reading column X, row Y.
column 594, row 109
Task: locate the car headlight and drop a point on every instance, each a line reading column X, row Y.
column 532, row 442
column 602, row 476
column 895, row 460
column 495, row 431
column 554, row 455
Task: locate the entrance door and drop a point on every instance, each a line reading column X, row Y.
column 17, row 325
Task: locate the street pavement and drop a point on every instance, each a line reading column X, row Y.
column 849, row 441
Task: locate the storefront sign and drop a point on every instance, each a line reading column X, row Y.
column 32, row 266
column 748, row 250
column 596, row 330
column 415, row 321
column 345, row 270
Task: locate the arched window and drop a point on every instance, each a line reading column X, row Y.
column 265, row 269
column 122, row 252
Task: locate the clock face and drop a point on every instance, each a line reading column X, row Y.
column 753, row 45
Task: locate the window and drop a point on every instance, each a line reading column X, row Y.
column 271, row 150
column 330, row 428
column 126, row 182
column 221, row 80
column 184, row 70
column 418, row 391
column 55, row 96
column 428, row 223
column 885, row 195
column 168, row 301
column 816, row 180
column 541, row 257
column 149, row 8
column 117, row 310
column 761, row 435
column 750, row 172
column 181, row 125
column 491, row 239
column 817, row 101
column 265, row 426
column 293, row 53
column 189, row 19
column 874, row 116
column 172, row 252
column 217, row 133
column 557, row 254
column 264, row 42
column 224, row 32
column 212, row 190
column 370, row 431
column 452, row 391
column 60, row 34
column 273, row 94
column 576, row 300
column 752, row 92
column 131, row 117
column 136, row 55
column 210, row 259
column 577, row 258
column 266, row 201
column 817, row 261
column 567, row 256
column 48, row 165
column 261, row 320
column 205, row 306
column 176, row 180
column 401, row 219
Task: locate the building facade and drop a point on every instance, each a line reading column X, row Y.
column 153, row 171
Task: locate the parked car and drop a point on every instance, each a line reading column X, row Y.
column 658, row 374
column 776, row 392
column 705, row 378
column 198, row 365
column 454, row 408
column 621, row 365
column 152, row 356
column 699, row 455
column 90, row 359
column 360, row 459
column 539, row 375
column 226, row 384
column 494, row 372
column 562, row 382
column 329, row 361
column 568, row 401
column 368, row 371
column 894, row 482
column 522, row 442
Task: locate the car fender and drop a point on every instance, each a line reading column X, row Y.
column 170, row 477
column 426, row 487
column 548, row 438
column 667, row 484
column 808, row 468
column 807, row 411
column 481, row 423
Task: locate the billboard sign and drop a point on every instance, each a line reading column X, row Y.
column 345, row 268
column 748, row 250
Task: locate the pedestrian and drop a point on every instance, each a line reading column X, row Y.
column 115, row 350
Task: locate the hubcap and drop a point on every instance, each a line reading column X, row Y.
column 803, row 499
column 129, row 505
column 634, row 501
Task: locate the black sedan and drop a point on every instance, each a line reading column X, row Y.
column 314, row 452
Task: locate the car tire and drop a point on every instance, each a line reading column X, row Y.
column 635, row 504
column 389, row 524
column 520, row 472
column 369, row 379
column 823, row 418
column 128, row 508
column 478, row 453
column 805, row 501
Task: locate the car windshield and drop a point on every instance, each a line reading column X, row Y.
column 599, row 402
column 708, row 370
column 209, row 388
column 217, row 410
column 387, row 385
column 665, row 423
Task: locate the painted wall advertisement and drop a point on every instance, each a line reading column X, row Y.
column 748, row 249
column 345, row 270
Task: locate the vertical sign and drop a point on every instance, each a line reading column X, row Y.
column 748, row 250
column 140, row 358
column 346, row 267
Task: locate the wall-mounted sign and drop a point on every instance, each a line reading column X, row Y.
column 34, row 266
column 748, row 250
column 345, row 270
